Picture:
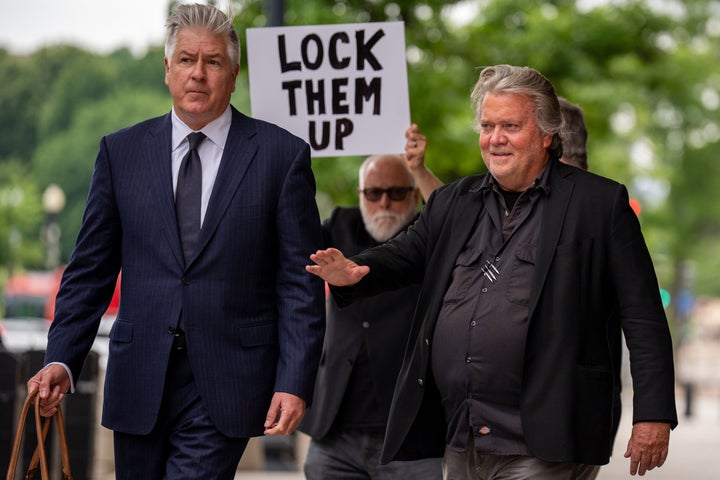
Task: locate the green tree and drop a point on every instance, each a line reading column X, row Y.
column 27, row 87
column 144, row 73
column 20, row 218
column 73, row 88
column 67, row 158
column 644, row 72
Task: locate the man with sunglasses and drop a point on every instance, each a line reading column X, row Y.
column 364, row 342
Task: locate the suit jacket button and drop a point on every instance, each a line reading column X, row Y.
column 366, row 324
column 420, row 382
column 186, row 281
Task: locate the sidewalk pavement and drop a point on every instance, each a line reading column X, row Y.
column 694, row 443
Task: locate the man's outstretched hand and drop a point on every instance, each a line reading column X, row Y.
column 332, row 266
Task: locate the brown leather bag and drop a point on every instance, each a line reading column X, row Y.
column 39, row 456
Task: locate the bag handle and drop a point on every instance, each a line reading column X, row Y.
column 41, row 429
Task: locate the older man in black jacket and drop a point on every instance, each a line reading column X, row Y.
column 529, row 275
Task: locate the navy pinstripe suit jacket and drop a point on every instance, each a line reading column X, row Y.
column 253, row 317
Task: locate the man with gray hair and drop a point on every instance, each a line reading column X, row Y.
column 574, row 135
column 210, row 215
column 530, row 275
column 364, row 342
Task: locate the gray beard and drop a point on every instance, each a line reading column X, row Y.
column 382, row 231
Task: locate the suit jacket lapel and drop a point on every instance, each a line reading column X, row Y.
column 465, row 217
column 159, row 167
column 554, row 212
column 238, row 154
column 452, row 240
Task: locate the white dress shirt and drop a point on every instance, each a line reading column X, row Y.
column 210, row 151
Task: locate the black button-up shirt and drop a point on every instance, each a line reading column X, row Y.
column 479, row 340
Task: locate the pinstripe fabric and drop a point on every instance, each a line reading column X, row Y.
column 253, row 317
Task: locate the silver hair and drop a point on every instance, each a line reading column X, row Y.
column 205, row 17
column 525, row 81
column 574, row 134
column 372, row 159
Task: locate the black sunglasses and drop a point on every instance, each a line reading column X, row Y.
column 396, row 194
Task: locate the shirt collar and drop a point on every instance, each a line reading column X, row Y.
column 216, row 131
column 542, row 182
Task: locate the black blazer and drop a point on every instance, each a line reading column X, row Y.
column 382, row 323
column 593, row 278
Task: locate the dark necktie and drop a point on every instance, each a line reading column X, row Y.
column 188, row 195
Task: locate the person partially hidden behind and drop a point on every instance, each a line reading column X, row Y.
column 365, row 342
column 210, row 215
column 530, row 274
column 574, row 135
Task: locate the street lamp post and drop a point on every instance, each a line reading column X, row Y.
column 276, row 13
column 53, row 200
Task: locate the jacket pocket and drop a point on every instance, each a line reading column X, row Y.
column 121, row 332
column 257, row 335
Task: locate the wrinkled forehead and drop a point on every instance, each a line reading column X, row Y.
column 499, row 107
column 387, row 171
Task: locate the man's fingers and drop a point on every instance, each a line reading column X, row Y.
column 332, row 266
column 284, row 415
column 40, row 381
column 647, row 447
column 325, row 257
column 272, row 414
column 51, row 382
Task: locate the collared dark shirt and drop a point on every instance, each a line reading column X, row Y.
column 479, row 340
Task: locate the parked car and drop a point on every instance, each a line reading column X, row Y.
column 32, row 294
column 29, row 301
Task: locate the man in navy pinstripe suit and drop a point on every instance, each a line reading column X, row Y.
column 222, row 342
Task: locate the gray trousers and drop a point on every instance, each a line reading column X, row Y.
column 469, row 465
column 356, row 455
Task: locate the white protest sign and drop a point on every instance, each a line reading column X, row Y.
column 342, row 88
